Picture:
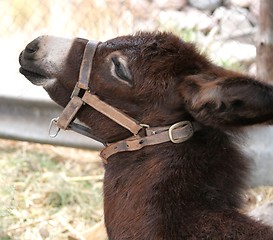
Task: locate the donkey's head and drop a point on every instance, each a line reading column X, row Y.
column 155, row 78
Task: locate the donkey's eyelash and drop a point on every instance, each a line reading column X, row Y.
column 116, row 61
column 121, row 71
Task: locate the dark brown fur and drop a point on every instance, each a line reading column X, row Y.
column 191, row 190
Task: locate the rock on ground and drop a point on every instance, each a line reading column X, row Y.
column 206, row 4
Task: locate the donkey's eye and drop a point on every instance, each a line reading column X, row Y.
column 121, row 71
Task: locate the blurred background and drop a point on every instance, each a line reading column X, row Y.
column 46, row 191
column 223, row 30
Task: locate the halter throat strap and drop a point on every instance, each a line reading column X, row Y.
column 143, row 134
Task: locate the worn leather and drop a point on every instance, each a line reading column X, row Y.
column 143, row 135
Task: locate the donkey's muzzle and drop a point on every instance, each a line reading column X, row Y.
column 27, row 60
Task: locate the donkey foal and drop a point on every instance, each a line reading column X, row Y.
column 174, row 170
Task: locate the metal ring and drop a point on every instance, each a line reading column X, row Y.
column 177, row 125
column 53, row 122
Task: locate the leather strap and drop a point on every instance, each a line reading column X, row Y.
column 92, row 100
column 69, row 112
column 87, row 64
column 144, row 135
column 113, row 113
column 155, row 136
column 83, row 130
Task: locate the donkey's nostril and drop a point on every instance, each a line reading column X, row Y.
column 31, row 49
column 33, row 46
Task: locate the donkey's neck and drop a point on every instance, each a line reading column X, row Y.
column 148, row 189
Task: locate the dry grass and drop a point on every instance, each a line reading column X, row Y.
column 258, row 196
column 50, row 192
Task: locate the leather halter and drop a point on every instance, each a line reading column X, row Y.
column 143, row 134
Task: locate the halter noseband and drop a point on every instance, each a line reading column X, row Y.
column 143, row 134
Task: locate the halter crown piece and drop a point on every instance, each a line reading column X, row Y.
column 143, row 134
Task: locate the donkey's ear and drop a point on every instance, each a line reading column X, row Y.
column 227, row 101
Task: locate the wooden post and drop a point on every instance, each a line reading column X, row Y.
column 265, row 42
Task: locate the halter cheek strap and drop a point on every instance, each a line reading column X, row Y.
column 143, row 134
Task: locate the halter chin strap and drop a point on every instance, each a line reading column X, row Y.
column 143, row 134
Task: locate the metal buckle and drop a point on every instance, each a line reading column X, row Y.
column 57, row 130
column 177, row 125
column 145, row 127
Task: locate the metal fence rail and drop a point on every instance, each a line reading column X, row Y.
column 28, row 120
